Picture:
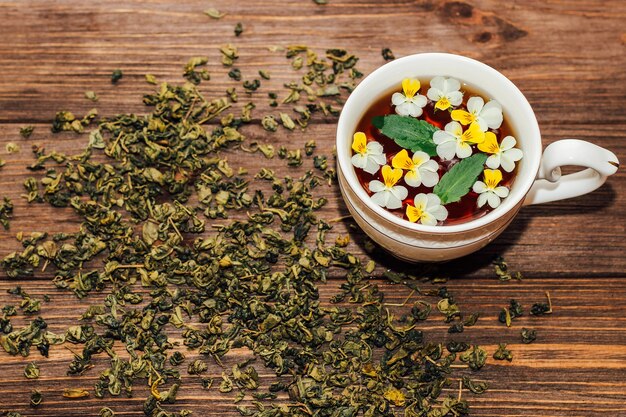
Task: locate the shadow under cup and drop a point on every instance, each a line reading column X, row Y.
column 417, row 242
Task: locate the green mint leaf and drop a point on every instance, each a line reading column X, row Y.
column 457, row 182
column 408, row 132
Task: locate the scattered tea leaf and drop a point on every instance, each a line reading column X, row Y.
column 213, row 13
column 151, row 79
column 36, row 398
column 91, row 95
column 476, row 387
column 31, row 371
column 238, row 29
column 502, row 353
column 12, row 147
column 75, row 393
column 388, row 54
column 528, row 335
column 26, row 131
column 116, row 75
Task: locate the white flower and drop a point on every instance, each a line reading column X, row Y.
column 410, row 103
column 421, row 169
column 488, row 116
column 445, row 92
column 454, row 141
column 428, row 210
column 503, row 155
column 368, row 156
column 388, row 194
column 489, row 191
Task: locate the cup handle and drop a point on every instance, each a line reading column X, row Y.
column 550, row 185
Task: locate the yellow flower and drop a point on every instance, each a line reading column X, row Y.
column 492, row 178
column 503, row 155
column 486, row 115
column 427, row 210
column 445, row 92
column 489, row 191
column 359, row 143
column 453, row 141
column 387, row 193
column 473, row 134
column 410, row 103
column 368, row 156
column 391, row 176
column 410, row 86
column 490, row 144
column 421, row 169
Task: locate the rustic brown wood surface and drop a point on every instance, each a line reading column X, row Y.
column 567, row 57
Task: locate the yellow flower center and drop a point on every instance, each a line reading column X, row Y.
column 414, row 213
column 410, row 86
column 443, row 103
column 492, row 178
column 359, row 143
column 463, row 117
column 401, row 160
column 473, row 134
column 391, row 176
column 490, row 145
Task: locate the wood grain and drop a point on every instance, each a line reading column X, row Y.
column 567, row 57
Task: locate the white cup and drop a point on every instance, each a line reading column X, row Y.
column 538, row 178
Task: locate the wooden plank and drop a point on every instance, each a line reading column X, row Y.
column 568, row 57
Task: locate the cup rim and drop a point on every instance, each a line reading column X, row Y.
column 523, row 110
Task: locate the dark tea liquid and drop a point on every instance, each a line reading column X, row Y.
column 463, row 210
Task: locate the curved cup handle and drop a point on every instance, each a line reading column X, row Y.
column 551, row 186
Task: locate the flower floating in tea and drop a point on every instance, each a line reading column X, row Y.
column 445, row 92
column 388, row 194
column 435, row 147
column 454, row 141
column 486, row 115
column 489, row 191
column 368, row 156
column 427, row 209
column 420, row 168
column 503, row 155
column 410, row 103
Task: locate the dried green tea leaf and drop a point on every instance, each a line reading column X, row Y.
column 269, row 123
column 502, row 353
column 31, row 371
column 12, row 147
column 476, row 387
column 475, row 358
column 26, row 131
column 106, row 412
column 238, row 29
column 36, row 398
column 388, row 54
column 151, row 79
column 213, row 13
column 96, row 140
column 6, row 212
column 116, row 75
column 408, row 132
column 528, row 335
column 287, row 121
column 75, row 393
column 91, row 95
column 458, row 181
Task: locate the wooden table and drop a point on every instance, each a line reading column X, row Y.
column 567, row 57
